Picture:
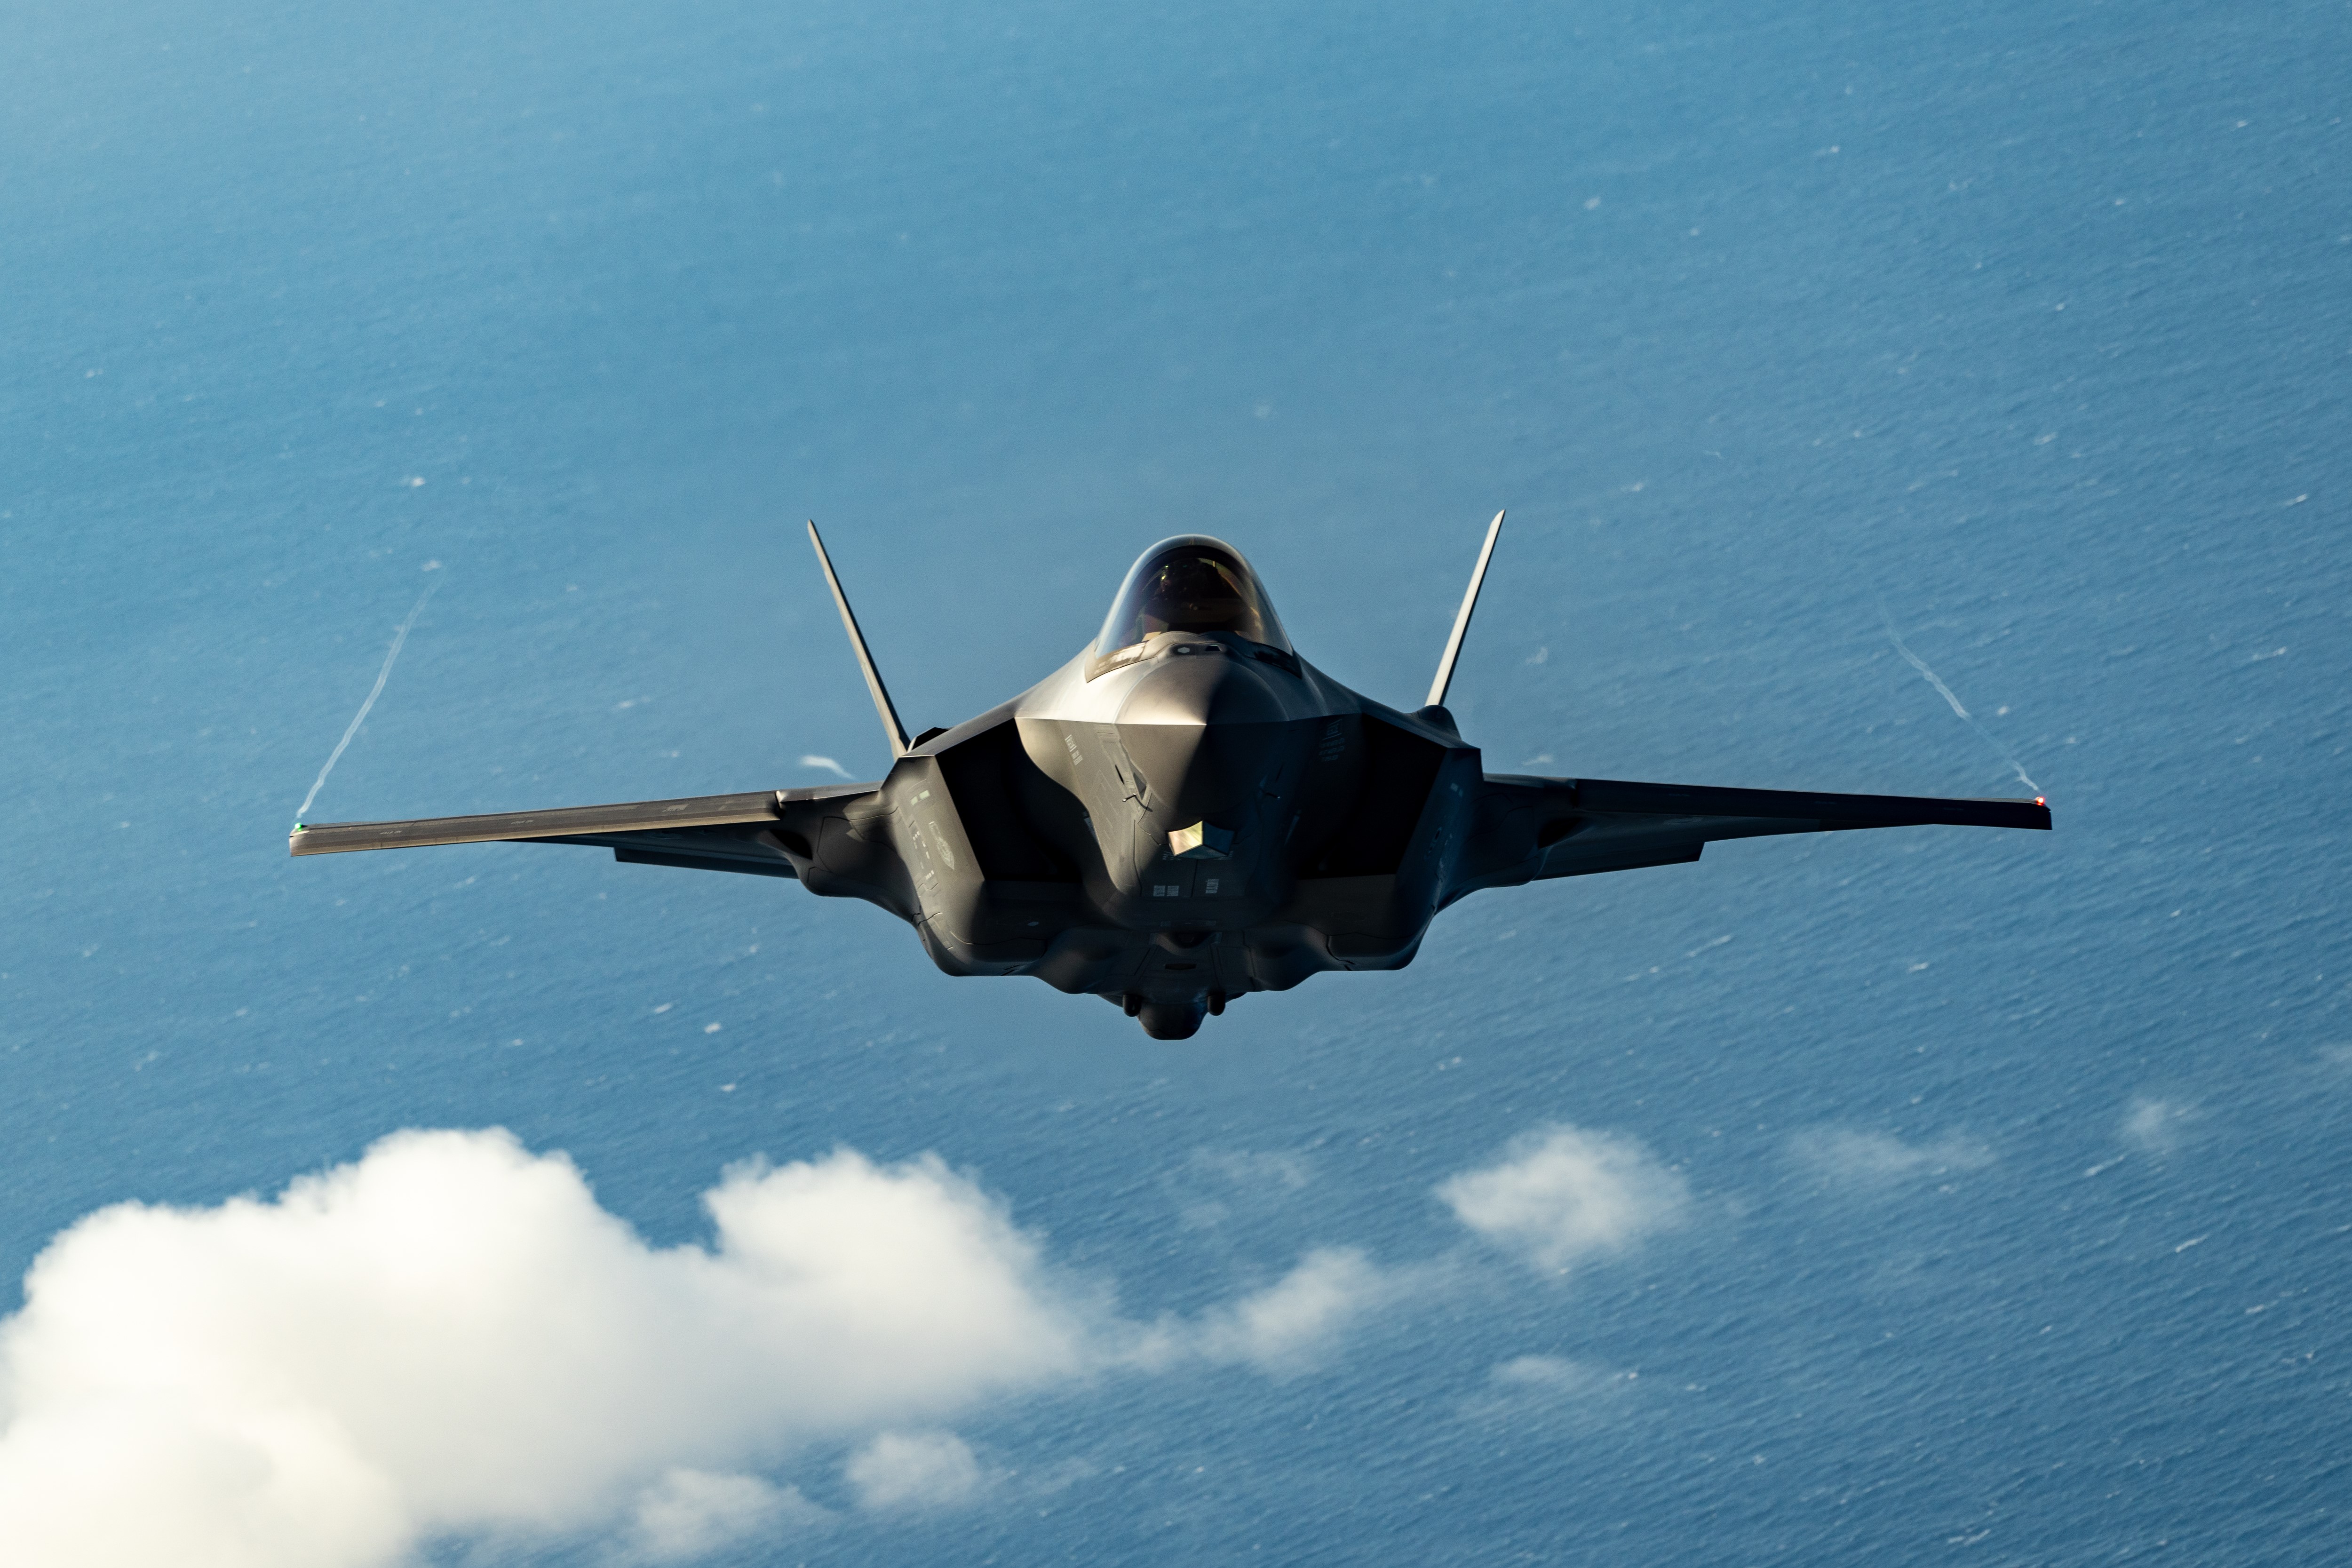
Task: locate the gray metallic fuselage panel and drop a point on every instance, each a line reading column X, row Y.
column 1037, row 839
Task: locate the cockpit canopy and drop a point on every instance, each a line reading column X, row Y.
column 1190, row 584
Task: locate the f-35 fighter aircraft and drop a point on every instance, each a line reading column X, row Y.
column 1184, row 813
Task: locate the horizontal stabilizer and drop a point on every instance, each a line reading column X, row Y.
column 562, row 823
column 756, row 859
column 1576, row 860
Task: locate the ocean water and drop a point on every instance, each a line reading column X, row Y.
column 2017, row 1224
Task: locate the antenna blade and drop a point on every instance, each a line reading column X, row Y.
column 1461, row 620
column 890, row 725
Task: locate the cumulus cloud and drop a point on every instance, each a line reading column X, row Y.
column 1291, row 1325
column 1845, row 1154
column 2157, row 1126
column 1561, row 1193
column 449, row 1339
column 1254, row 1180
column 915, row 1471
column 451, row 1336
column 692, row 1513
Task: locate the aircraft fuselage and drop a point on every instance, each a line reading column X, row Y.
column 1207, row 817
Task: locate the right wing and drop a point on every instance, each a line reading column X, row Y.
column 1571, row 827
column 709, row 833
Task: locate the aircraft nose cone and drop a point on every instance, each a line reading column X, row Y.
column 1199, row 728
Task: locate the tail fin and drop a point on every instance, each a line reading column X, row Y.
column 1461, row 621
column 890, row 725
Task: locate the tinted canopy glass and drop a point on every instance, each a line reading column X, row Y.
column 1190, row 584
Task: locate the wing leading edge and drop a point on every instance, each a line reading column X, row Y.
column 709, row 833
column 1574, row 827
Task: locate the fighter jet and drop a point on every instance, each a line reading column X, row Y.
column 1184, row 813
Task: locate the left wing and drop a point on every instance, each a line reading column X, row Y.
column 709, row 833
column 1531, row 828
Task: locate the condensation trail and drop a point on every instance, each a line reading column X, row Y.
column 1915, row 662
column 359, row 718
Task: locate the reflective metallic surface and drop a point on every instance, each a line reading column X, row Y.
column 1188, row 583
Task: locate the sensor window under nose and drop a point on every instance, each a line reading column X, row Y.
column 1201, row 842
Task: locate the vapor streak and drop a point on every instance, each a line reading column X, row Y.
column 374, row 692
column 1915, row 662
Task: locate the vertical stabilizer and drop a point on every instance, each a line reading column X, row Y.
column 890, row 725
column 1461, row 620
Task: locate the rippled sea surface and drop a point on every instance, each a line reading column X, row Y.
column 2019, row 1210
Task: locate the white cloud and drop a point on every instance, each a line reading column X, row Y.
column 1541, row 1387
column 1291, row 1325
column 692, row 1513
column 1844, row 1154
column 2157, row 1126
column 915, row 1471
column 451, row 1336
column 1561, row 1193
column 1258, row 1182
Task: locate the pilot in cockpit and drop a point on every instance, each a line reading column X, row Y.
column 1191, row 584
